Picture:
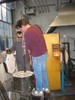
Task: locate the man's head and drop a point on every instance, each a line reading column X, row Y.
column 22, row 25
column 19, row 35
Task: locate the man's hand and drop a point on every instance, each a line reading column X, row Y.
column 7, row 49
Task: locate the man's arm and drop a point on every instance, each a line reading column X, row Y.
column 13, row 48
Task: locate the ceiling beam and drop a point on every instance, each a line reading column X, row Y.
column 7, row 1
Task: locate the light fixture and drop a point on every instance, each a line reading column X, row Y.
column 56, row 50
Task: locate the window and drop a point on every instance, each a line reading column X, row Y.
column 1, row 29
column 6, row 39
column 0, row 12
column 8, row 16
column 4, row 15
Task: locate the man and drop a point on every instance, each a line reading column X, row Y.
column 21, row 58
column 35, row 43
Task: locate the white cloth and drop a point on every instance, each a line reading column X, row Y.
column 10, row 63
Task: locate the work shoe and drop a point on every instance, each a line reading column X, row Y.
column 36, row 93
column 46, row 90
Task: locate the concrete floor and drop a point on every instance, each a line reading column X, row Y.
column 68, row 93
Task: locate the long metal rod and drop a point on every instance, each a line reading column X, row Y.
column 64, row 94
column 63, row 80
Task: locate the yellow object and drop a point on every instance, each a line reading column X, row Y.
column 53, row 63
column 56, row 50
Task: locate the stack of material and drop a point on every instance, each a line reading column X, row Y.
column 1, row 58
column 2, row 54
column 22, row 81
column 4, row 96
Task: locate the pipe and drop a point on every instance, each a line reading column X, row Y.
column 57, row 4
column 70, row 1
column 47, row 6
column 64, row 94
column 41, row 6
column 36, row 5
column 23, row 2
column 44, row 5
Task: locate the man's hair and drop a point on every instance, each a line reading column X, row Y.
column 21, row 22
column 18, row 32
